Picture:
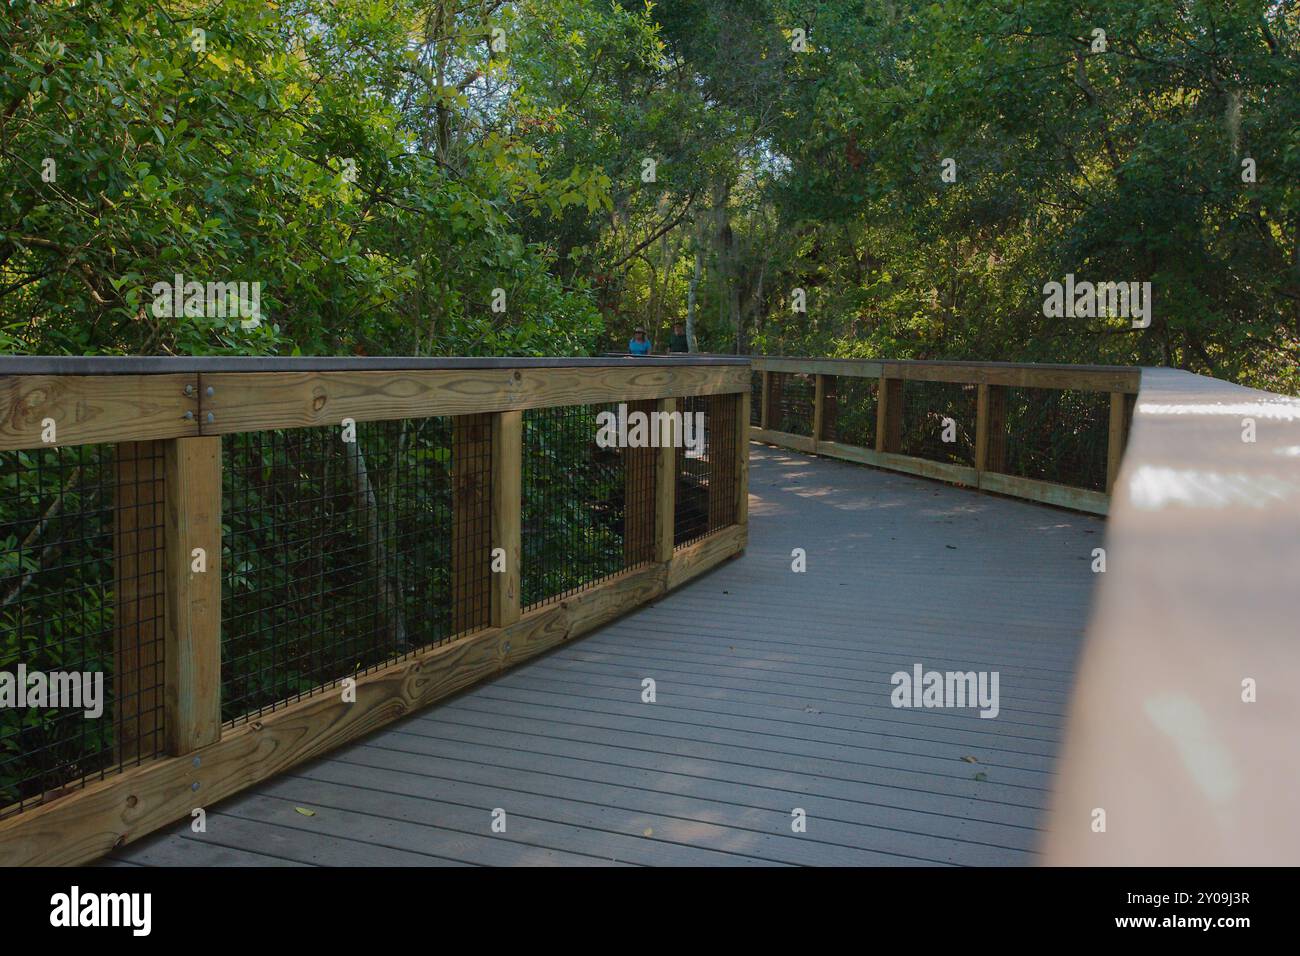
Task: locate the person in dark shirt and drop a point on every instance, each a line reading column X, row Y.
column 639, row 344
column 677, row 341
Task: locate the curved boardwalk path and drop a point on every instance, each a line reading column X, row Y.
column 773, row 693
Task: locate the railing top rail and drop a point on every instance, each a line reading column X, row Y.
column 144, row 365
column 1199, row 603
column 947, row 363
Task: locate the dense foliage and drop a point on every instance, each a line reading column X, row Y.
column 383, row 166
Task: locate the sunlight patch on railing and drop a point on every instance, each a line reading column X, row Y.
column 1152, row 488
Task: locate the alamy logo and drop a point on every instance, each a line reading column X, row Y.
column 1086, row 300
column 79, row 690
column 74, row 908
column 211, row 300
column 946, row 689
column 624, row 429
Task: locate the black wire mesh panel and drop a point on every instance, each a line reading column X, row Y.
column 849, row 413
column 577, row 496
column 756, row 398
column 81, row 628
column 338, row 556
column 1057, row 435
column 706, row 474
column 790, row 406
column 934, row 412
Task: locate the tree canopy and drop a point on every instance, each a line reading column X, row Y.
column 849, row 177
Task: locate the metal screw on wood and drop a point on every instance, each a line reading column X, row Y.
column 211, row 418
column 194, row 785
column 211, row 391
column 189, row 389
column 197, row 761
column 189, row 416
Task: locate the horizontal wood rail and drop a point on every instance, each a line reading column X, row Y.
column 165, row 418
column 987, row 466
column 1181, row 741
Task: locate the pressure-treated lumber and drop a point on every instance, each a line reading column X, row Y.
column 665, row 488
column 192, row 653
column 90, row 409
column 507, row 506
column 242, row 402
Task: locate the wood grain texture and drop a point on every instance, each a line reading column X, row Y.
column 89, row 409
column 88, row 823
column 802, row 443
column 666, row 470
column 819, row 408
column 889, row 415
column 1047, row 492
column 192, row 655
column 507, row 513
column 854, row 368
column 1199, row 595
column 1116, row 437
column 251, row 402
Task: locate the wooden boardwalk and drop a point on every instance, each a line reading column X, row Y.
column 772, row 693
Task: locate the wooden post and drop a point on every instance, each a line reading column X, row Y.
column 1117, row 437
column 990, row 430
column 889, row 414
column 764, row 418
column 138, row 625
column 192, row 651
column 665, row 488
column 742, row 458
column 830, row 409
column 471, row 521
column 981, row 427
column 774, row 417
column 818, row 418
column 507, row 506
column 639, row 503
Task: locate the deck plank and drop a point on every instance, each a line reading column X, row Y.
column 773, row 692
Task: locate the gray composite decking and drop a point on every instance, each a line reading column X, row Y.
column 773, row 693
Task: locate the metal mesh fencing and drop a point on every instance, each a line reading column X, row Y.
column 790, row 402
column 81, row 618
column 756, row 399
column 338, row 554
column 938, row 421
column 706, row 468
column 1057, row 435
column 588, row 510
column 849, row 410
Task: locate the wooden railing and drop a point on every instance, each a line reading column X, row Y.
column 1049, row 433
column 1182, row 739
column 184, row 595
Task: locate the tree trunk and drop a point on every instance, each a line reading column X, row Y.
column 690, row 298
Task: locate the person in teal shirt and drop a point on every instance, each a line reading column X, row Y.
column 638, row 344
